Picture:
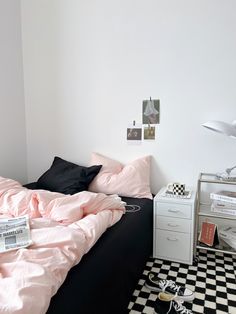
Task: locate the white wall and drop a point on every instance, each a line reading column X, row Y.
column 89, row 64
column 12, row 110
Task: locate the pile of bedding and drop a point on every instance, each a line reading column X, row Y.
column 63, row 229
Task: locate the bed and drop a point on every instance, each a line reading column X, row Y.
column 105, row 278
column 109, row 268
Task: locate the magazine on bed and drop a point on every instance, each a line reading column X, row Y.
column 14, row 233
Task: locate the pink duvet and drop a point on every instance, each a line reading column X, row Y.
column 63, row 229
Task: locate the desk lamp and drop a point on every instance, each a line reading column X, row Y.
column 228, row 129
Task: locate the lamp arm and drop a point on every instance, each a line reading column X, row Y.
column 228, row 170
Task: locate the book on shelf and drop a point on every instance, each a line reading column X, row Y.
column 223, row 208
column 222, row 204
column 225, row 196
column 228, row 235
column 208, row 234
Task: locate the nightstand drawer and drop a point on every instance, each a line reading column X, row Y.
column 173, row 224
column 172, row 245
column 174, row 210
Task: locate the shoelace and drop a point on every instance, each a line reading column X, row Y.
column 169, row 283
column 180, row 308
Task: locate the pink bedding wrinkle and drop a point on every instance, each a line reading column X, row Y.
column 63, row 229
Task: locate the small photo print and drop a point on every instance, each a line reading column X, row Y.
column 149, row 132
column 151, row 111
column 134, row 134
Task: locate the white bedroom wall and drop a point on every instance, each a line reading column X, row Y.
column 89, row 64
column 12, row 116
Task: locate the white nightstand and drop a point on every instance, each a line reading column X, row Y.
column 173, row 233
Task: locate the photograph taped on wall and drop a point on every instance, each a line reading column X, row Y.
column 151, row 111
column 149, row 132
column 134, row 133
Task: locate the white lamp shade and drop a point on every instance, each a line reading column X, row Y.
column 222, row 127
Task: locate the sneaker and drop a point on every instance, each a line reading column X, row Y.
column 168, row 286
column 166, row 304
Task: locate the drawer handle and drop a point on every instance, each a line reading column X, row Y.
column 172, row 225
column 172, row 239
column 173, row 210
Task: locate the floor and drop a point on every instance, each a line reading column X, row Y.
column 212, row 277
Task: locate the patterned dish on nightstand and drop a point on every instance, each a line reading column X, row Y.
column 187, row 194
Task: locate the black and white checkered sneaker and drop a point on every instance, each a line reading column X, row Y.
column 168, row 286
column 165, row 304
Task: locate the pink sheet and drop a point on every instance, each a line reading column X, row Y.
column 63, row 229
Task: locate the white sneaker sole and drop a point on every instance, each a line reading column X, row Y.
column 187, row 298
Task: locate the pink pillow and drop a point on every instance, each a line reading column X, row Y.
column 114, row 178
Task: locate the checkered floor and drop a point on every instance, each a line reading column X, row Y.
column 212, row 277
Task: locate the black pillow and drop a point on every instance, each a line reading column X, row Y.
column 66, row 177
